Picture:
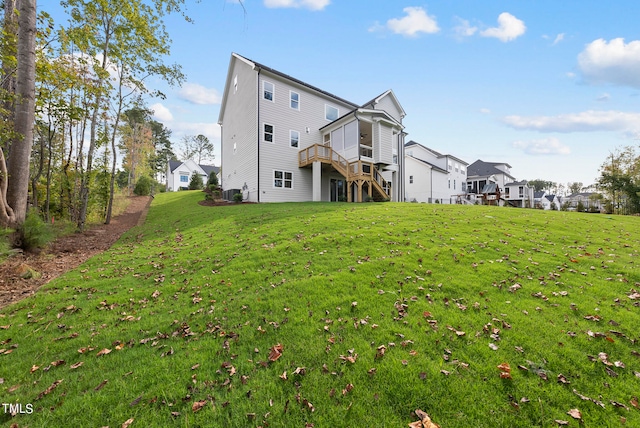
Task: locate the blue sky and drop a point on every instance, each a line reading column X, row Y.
column 550, row 87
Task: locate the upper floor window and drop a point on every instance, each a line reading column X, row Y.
column 294, row 100
column 330, row 112
column 450, row 165
column 268, row 133
column 268, row 90
column 294, row 138
column 411, row 179
column 327, row 139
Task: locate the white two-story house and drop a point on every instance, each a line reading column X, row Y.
column 431, row 176
column 284, row 140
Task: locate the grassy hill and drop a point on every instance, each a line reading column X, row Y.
column 336, row 315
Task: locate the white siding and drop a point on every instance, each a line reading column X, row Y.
column 382, row 143
column 387, row 104
column 240, row 131
column 279, row 155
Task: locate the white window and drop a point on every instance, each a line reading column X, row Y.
column 294, row 138
column 457, row 168
column 411, row 179
column 268, row 90
column 330, row 112
column 268, row 133
column 450, row 165
column 235, row 84
column 184, row 178
column 294, row 100
column 327, row 139
column 283, row 179
column 395, row 159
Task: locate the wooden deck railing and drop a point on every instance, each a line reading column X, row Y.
column 357, row 170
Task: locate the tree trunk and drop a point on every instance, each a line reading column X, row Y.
column 18, row 162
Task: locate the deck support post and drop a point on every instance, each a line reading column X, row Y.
column 316, row 172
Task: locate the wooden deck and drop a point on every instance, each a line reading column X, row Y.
column 361, row 173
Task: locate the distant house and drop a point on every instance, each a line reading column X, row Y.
column 481, row 173
column 284, row 140
column 589, row 200
column 431, row 176
column 518, row 194
column 179, row 173
column 542, row 200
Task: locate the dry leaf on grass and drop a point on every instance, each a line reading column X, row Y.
column 127, row 423
column 424, row 422
column 575, row 414
column 275, row 352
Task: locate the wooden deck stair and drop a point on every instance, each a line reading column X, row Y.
column 358, row 172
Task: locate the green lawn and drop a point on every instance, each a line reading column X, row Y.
column 336, row 315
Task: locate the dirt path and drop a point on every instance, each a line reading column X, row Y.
column 66, row 253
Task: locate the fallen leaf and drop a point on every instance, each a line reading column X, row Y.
column 425, row 421
column 34, row 368
column 575, row 414
column 198, row 405
column 283, row 376
column 276, row 352
column 105, row 351
column 47, row 391
column 561, row 422
column 102, row 384
column 127, row 423
column 76, row 365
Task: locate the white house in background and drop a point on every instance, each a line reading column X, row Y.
column 431, row 176
column 285, row 140
column 545, row 201
column 179, row 173
column 481, row 173
column 589, row 200
column 518, row 194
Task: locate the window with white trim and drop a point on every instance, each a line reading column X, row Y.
column 184, row 178
column 268, row 133
column 330, row 112
column 282, row 179
column 268, row 90
column 294, row 100
column 294, row 138
column 327, row 139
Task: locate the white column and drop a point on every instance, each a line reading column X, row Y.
column 316, row 172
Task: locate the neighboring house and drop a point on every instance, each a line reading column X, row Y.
column 431, row 176
column 488, row 179
column 179, row 173
column 518, row 194
column 285, row 140
column 542, row 200
column 589, row 201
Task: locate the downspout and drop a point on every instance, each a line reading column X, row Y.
column 258, row 136
column 355, row 114
column 431, row 182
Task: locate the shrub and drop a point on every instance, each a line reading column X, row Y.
column 143, row 186
column 196, row 182
column 237, row 197
column 34, row 233
column 213, row 180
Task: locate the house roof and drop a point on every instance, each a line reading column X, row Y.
column 539, row 195
column 490, row 188
column 383, row 113
column 485, row 169
column 175, row 164
column 550, row 197
column 261, row 66
column 436, row 154
column 517, row 183
column 432, row 166
column 377, row 99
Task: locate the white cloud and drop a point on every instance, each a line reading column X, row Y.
column 559, row 38
column 464, row 29
column 161, row 113
column 604, row 97
column 588, row 121
column 509, row 28
column 546, row 146
column 614, row 62
column 485, row 111
column 198, row 94
column 416, row 21
column 309, row 4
